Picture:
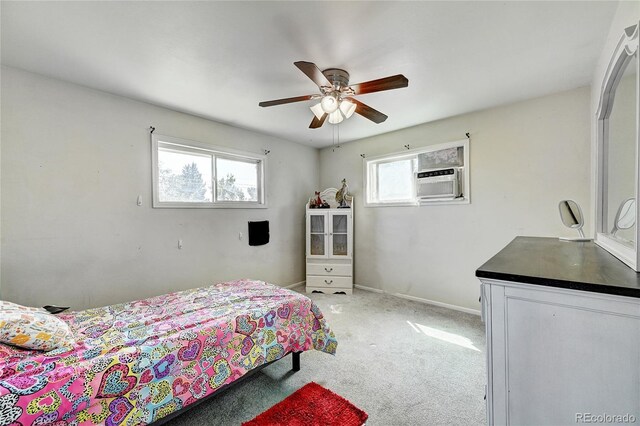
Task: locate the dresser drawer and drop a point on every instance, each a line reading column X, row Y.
column 324, row 281
column 329, row 269
column 330, row 290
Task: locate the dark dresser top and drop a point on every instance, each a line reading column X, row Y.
column 565, row 264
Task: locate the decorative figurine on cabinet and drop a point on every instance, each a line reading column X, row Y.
column 316, row 202
column 342, row 196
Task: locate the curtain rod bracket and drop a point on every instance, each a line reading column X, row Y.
column 407, row 146
column 152, row 129
column 468, row 137
column 362, row 155
column 267, row 151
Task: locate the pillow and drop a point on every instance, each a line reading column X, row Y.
column 32, row 328
column 5, row 306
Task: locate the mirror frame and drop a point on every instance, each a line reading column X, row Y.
column 622, row 56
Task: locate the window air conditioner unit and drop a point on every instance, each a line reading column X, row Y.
column 438, row 183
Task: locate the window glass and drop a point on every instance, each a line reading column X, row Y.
column 188, row 174
column 395, row 181
column 237, row 180
column 184, row 176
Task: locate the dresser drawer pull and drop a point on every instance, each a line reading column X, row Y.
column 328, row 282
column 328, row 269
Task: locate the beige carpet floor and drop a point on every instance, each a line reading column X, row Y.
column 403, row 362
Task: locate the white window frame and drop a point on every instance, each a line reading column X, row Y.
column 185, row 145
column 370, row 181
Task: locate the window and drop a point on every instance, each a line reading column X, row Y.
column 191, row 174
column 399, row 179
column 392, row 180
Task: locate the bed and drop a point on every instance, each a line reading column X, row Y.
column 140, row 362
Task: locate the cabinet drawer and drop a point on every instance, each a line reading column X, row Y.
column 324, row 281
column 328, row 269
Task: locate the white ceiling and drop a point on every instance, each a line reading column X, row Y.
column 219, row 59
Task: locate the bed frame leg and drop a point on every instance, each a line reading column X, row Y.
column 295, row 356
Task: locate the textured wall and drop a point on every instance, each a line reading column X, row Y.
column 74, row 161
column 525, row 158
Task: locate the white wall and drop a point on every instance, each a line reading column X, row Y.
column 525, row 158
column 74, row 161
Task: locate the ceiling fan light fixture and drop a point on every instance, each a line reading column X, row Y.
column 318, row 111
column 347, row 107
column 336, row 117
column 329, row 103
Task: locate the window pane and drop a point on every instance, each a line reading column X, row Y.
column 395, row 181
column 184, row 176
column 339, row 224
column 317, row 224
column 340, row 244
column 237, row 180
column 449, row 157
column 317, row 244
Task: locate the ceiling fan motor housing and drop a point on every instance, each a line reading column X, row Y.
column 337, row 76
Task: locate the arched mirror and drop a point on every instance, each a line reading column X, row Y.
column 618, row 118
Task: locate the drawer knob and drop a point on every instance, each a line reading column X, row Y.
column 328, row 269
column 328, row 282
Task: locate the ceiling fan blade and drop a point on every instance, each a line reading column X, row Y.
column 313, row 72
column 316, row 123
column 367, row 112
column 387, row 83
column 286, row 100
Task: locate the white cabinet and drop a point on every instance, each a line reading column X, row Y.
column 329, row 234
column 556, row 356
column 329, row 247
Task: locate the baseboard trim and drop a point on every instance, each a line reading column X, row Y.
column 421, row 300
column 371, row 289
column 295, row 285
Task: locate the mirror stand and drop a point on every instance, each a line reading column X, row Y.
column 571, row 216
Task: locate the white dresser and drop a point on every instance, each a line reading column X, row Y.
column 563, row 335
column 329, row 248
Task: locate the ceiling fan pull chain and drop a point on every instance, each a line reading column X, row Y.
column 333, row 138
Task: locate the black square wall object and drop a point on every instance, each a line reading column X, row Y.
column 55, row 309
column 258, row 233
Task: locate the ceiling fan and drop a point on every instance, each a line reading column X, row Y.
column 336, row 96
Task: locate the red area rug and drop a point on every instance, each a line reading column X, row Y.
column 311, row 405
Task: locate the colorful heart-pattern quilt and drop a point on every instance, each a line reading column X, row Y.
column 134, row 363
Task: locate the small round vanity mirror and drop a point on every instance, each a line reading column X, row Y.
column 571, row 216
column 626, row 216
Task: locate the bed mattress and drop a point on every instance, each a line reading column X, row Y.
column 134, row 363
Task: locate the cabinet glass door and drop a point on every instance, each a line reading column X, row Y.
column 317, row 235
column 340, row 235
